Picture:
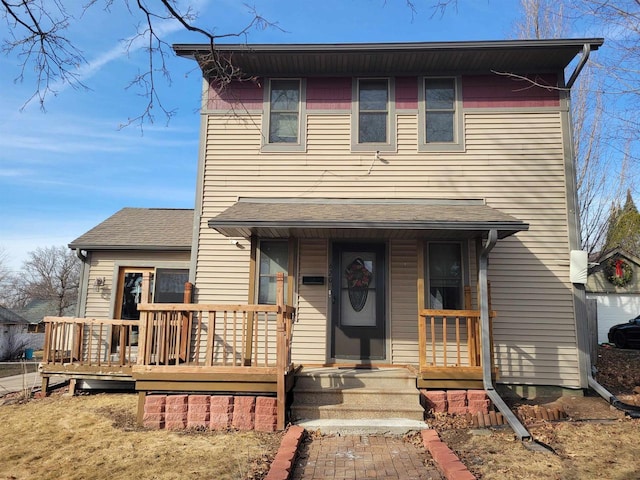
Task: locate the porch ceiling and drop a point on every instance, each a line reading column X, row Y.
column 358, row 218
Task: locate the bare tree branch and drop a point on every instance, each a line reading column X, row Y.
column 37, row 33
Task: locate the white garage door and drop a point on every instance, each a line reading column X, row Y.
column 614, row 309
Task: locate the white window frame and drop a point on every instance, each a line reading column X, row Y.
column 458, row 143
column 300, row 145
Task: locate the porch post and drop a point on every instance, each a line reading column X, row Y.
column 281, row 360
column 143, row 322
column 422, row 326
column 483, row 290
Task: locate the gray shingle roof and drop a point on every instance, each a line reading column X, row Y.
column 141, row 228
column 11, row 318
column 393, row 218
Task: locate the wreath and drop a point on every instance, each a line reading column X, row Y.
column 358, row 279
column 618, row 272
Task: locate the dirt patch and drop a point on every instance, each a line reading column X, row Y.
column 94, row 436
column 595, row 441
column 618, row 369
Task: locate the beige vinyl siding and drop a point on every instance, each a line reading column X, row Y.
column 513, row 159
column 403, row 276
column 105, row 264
column 310, row 329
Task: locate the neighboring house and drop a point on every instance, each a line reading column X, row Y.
column 37, row 309
column 614, row 285
column 418, row 199
column 116, row 253
column 14, row 336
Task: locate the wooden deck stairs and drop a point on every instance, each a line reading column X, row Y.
column 349, row 393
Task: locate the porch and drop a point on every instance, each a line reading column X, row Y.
column 243, row 349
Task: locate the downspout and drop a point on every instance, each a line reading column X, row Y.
column 82, row 288
column 586, row 51
column 487, row 381
column 631, row 410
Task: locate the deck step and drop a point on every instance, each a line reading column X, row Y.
column 335, row 393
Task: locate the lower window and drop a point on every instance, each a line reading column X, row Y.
column 445, row 275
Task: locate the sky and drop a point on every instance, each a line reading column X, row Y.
column 64, row 170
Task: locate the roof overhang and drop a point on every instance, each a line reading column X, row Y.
column 517, row 56
column 360, row 218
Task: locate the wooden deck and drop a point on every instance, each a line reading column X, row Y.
column 210, row 348
column 180, row 347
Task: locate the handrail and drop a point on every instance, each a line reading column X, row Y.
column 92, row 342
column 449, row 338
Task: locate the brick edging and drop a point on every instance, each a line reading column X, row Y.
column 282, row 464
column 447, row 462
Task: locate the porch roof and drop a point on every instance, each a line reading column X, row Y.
column 344, row 218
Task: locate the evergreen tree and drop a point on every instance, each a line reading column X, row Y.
column 623, row 229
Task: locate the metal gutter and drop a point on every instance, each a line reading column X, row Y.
column 191, row 48
column 631, row 410
column 586, row 50
column 518, row 428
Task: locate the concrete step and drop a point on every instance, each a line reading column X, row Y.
column 337, row 393
column 365, row 426
column 353, row 378
column 346, row 412
column 356, row 396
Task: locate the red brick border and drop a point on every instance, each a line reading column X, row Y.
column 217, row 412
column 447, row 462
column 282, row 464
column 455, row 402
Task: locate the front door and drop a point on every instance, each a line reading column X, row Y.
column 358, row 302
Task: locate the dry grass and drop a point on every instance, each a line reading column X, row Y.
column 95, row 437
column 606, row 451
column 17, row 368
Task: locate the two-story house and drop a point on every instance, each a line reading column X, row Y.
column 418, row 198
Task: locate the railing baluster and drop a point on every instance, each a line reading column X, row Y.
column 254, row 321
column 459, row 362
column 433, row 341
column 444, row 340
column 266, row 336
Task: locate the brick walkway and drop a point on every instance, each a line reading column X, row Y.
column 356, row 457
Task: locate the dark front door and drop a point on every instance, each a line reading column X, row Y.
column 358, row 301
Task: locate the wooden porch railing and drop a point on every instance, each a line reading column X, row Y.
column 185, row 334
column 450, row 345
column 215, row 335
column 90, row 342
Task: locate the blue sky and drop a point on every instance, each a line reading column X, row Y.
column 64, row 171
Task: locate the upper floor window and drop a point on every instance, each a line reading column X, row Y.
column 373, row 102
column 440, row 116
column 284, row 111
column 373, row 115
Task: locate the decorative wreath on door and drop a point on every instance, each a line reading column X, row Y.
column 358, row 279
column 618, row 272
